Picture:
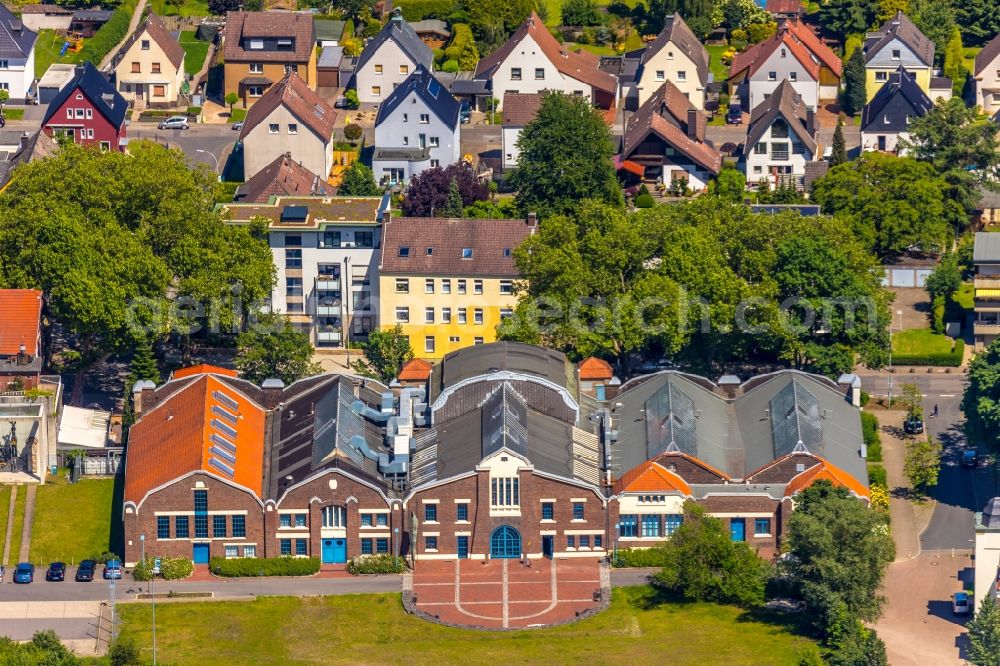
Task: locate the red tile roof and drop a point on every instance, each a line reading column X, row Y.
column 798, row 38
column 21, row 321
column 416, row 370
column 176, row 438
column 203, row 368
column 297, row 26
column 652, row 117
column 828, row 471
column 295, row 95
column 594, row 368
column 521, row 108
column 651, row 477
column 283, row 177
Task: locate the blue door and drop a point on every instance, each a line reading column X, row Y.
column 463, row 547
column 737, row 529
column 201, row 553
column 505, row 544
column 334, row 551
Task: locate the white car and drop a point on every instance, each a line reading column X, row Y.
column 174, row 122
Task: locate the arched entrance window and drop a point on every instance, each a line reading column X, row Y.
column 505, row 544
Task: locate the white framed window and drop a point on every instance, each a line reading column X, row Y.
column 881, row 76
column 896, row 54
column 661, row 75
column 682, row 75
column 378, row 70
column 4, row 64
column 80, row 113
column 429, row 286
column 145, row 45
column 477, row 286
column 477, row 316
column 445, row 315
column 477, row 340
column 462, row 316
column 454, row 338
column 250, row 550
column 505, row 492
column 334, row 516
column 376, row 91
column 402, row 285
column 272, row 128
column 256, row 68
column 425, row 118
column 69, row 114
column 506, row 287
column 446, row 286
column 435, row 163
column 402, row 314
column 784, row 52
column 539, row 73
column 293, row 128
column 429, row 315
column 435, row 142
column 255, row 91
column 515, row 73
column 793, row 76
column 231, row 552
column 90, row 134
column 670, row 55
column 772, row 76
column 429, row 344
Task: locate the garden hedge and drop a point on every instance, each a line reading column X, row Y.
column 951, row 359
column 109, row 34
column 263, row 566
column 869, row 430
column 376, row 564
column 877, row 476
column 640, row 557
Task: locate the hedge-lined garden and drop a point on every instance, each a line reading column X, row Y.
column 869, row 430
column 242, row 567
column 922, row 346
column 376, row 564
column 171, row 568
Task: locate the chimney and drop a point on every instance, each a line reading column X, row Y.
column 851, row 386
column 532, row 219
column 22, row 355
column 23, row 141
column 730, row 385
column 612, row 388
column 811, row 121
column 692, row 124
column 143, row 396
column 274, row 391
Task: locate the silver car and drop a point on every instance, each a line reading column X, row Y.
column 174, row 122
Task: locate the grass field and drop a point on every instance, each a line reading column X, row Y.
column 195, row 52
column 13, row 114
column 920, row 342
column 354, row 629
column 4, row 506
column 15, row 534
column 720, row 70
column 72, row 521
column 554, row 8
column 47, row 47
column 965, row 296
column 237, row 116
column 183, row 8
column 969, row 57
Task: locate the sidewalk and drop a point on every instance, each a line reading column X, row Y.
column 908, row 519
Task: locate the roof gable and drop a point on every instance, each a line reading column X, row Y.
column 158, row 33
column 900, row 28
column 593, row 368
column 666, row 113
column 21, row 321
column 415, row 370
column 422, row 84
column 399, row 31
column 282, row 177
column 901, row 85
column 300, row 100
column 651, row 477
column 784, row 103
column 297, row 26
column 98, row 90
column 986, row 57
column 828, row 471
column 754, row 58
column 676, row 31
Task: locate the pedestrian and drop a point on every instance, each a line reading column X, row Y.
column 935, row 412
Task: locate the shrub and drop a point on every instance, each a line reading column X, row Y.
column 108, row 36
column 869, row 430
column 193, row 110
column 174, row 568
column 865, row 398
column 640, row 557
column 438, row 55
column 644, row 201
column 376, row 564
column 372, row 27
column 450, row 66
column 937, row 314
column 264, row 566
column 877, row 476
column 351, row 96
column 418, row 10
column 879, row 498
column 352, row 132
column 143, row 570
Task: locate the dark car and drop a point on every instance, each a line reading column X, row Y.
column 734, row 116
column 465, row 111
column 914, row 425
column 56, row 572
column 341, row 103
column 25, row 572
column 970, row 458
column 112, row 569
column 85, row 572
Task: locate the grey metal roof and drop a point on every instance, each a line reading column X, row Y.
column 422, row 84
column 986, row 248
column 505, row 422
column 900, row 83
column 331, row 56
column 327, row 29
column 510, row 356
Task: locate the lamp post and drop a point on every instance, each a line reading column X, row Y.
column 212, row 155
column 899, row 313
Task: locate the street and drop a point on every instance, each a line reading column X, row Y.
column 204, row 144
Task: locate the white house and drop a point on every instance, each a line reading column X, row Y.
column 780, row 140
column 532, row 60
column 17, row 55
column 676, row 56
column 987, row 77
column 521, row 109
column 149, row 68
column 388, row 59
column 290, row 118
column 416, row 129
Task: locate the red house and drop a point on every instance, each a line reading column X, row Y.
column 90, row 110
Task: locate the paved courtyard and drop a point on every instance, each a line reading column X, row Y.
column 505, row 593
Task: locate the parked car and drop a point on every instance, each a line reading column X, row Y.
column 174, row 122
column 340, row 103
column 970, row 458
column 465, row 111
column 914, row 425
column 56, row 572
column 734, row 116
column 85, row 572
column 112, row 569
column 960, row 603
column 237, row 126
column 24, row 573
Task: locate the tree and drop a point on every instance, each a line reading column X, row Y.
column 428, row 192
column 566, row 156
column 861, row 647
column 946, row 278
column 980, row 20
column 124, row 652
column 840, row 550
column 954, row 61
column 359, row 182
column 909, row 397
column 385, row 353
column 356, row 9
column 981, row 401
column 351, row 96
column 231, row 100
column 984, row 634
column 855, row 95
column 839, row 153
column 492, row 22
column 580, row 13
column 271, row 348
column 220, row 7
column 936, row 19
column 847, row 17
column 4, row 98
column 893, row 204
column 705, row 564
column 730, row 185
column 143, row 367
column 453, row 207
column 352, row 132
column 887, row 9
column 922, row 463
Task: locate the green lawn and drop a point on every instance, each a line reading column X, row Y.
column 965, row 296
column 969, row 57
column 13, row 114
column 720, row 70
column 921, row 342
column 354, row 629
column 238, row 115
column 15, row 535
column 195, row 52
column 594, row 48
column 47, row 47
column 72, row 521
column 180, row 7
column 4, row 506
column 555, row 9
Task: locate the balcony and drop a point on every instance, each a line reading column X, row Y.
column 329, row 310
column 328, row 283
column 985, row 328
column 328, row 338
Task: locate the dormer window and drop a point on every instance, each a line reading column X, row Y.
column 256, row 45
column 284, row 45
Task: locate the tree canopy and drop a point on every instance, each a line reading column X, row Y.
column 854, row 83
column 428, row 192
column 359, row 182
column 981, row 401
column 385, row 353
column 847, row 17
column 272, row 348
column 984, row 634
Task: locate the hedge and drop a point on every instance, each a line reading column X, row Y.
column 108, row 36
column 640, row 557
column 951, row 359
column 376, row 564
column 418, row 10
column 264, row 566
column 171, row 568
column 877, row 476
column 869, row 429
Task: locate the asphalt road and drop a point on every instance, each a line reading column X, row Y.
column 215, row 140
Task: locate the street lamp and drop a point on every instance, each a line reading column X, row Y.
column 212, row 155
column 899, row 313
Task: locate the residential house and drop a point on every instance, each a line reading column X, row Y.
column 86, row 22
column 432, row 32
column 521, row 109
column 30, row 147
column 388, row 60
column 666, row 137
column 795, row 54
column 149, row 68
column 329, row 33
column 415, row 373
column 781, row 140
column 532, row 60
column 886, row 118
column 987, row 552
column 261, row 47
column 676, row 56
column 785, row 9
column 986, row 258
column 289, row 119
column 326, row 252
column 596, row 376
column 284, row 177
column 898, row 43
column 89, row 110
column 17, row 55
column 448, row 282
column 416, row 129
column 986, row 73
column 55, row 79
column 46, row 17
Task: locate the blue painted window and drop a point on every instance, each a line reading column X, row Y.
column 366, row 546
column 163, row 527
column 239, row 526
column 382, row 546
column 381, row 519
column 200, row 526
column 430, row 512
column 300, row 520
column 430, row 543
column 181, row 527
column 286, row 546
column 577, row 510
column 200, row 501
column 761, row 526
column 571, row 541
column 584, row 541
column 598, row 541
column 547, row 512
column 285, row 520
column 651, row 526
column 201, row 514
column 672, row 522
column 300, row 546
column 628, row 525
column 462, row 511
column 218, row 526
column 366, row 520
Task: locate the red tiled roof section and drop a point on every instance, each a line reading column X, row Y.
column 521, row 108
column 828, row 471
column 783, row 6
column 651, row 477
column 283, row 177
column 492, row 244
column 295, row 95
column 754, row 57
column 815, row 45
column 416, row 370
column 21, row 321
column 295, row 25
column 595, row 369
column 173, row 50
column 203, row 369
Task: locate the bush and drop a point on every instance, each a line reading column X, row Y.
column 937, row 314
column 438, row 55
column 193, row 111
column 352, row 132
column 450, row 66
column 351, row 96
column 108, row 36
column 376, row 564
column 418, row 10
column 143, row 570
column 869, row 430
column 877, row 476
column 865, row 398
column 264, row 566
column 174, row 568
column 951, row 359
column 372, row 27
column 644, row 201
column 640, row 557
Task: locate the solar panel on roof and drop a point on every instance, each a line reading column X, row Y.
column 294, row 213
column 795, row 420
column 433, row 87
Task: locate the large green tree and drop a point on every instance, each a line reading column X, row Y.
column 566, row 156
column 271, row 348
column 847, row 17
column 839, row 153
column 492, row 22
column 979, row 19
column 922, row 463
column 892, row 203
column 854, row 83
column 359, row 182
column 981, row 401
column 385, row 353
column 936, row 19
column 954, row 61
column 840, row 550
column 984, row 634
